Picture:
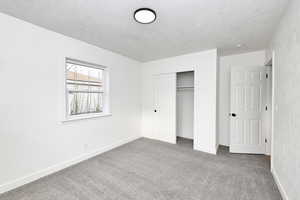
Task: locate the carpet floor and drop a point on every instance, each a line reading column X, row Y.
column 151, row 170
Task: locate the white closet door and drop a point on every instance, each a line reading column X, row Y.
column 165, row 107
column 248, row 101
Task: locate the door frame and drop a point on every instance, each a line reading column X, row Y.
column 270, row 108
column 274, row 107
column 271, row 62
column 193, row 101
column 194, row 132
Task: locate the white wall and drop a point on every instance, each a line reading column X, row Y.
column 249, row 59
column 205, row 66
column 185, row 105
column 286, row 142
column 33, row 139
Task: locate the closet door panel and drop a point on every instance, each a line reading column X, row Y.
column 164, row 107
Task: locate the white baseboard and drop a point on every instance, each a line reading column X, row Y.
column 280, row 187
column 50, row 170
column 210, row 151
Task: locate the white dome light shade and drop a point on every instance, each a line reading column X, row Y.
column 145, row 15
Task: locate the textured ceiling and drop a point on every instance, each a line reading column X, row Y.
column 183, row 26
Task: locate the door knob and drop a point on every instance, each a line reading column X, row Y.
column 233, row 114
column 155, row 110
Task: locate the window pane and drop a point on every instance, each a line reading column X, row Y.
column 84, row 89
column 83, row 103
column 84, row 74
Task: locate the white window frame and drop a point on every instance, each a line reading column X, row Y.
column 106, row 96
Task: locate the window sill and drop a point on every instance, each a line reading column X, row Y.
column 88, row 116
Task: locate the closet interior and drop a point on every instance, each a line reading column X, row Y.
column 185, row 108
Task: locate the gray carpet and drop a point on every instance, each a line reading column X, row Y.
column 184, row 142
column 152, row 170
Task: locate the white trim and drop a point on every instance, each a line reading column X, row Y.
column 175, row 108
column 273, row 109
column 280, row 187
column 84, row 63
column 210, row 151
column 268, row 114
column 55, row 168
column 86, row 116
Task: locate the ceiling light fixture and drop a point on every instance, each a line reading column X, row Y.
column 144, row 15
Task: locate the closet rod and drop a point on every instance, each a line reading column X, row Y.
column 185, row 87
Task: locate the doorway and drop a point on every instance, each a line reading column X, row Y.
column 185, row 109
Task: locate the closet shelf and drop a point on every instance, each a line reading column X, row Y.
column 185, row 87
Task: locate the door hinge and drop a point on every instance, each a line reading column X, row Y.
column 266, row 141
column 267, row 75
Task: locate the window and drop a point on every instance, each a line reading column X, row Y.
column 86, row 89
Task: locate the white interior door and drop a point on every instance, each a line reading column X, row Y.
column 248, row 107
column 165, row 107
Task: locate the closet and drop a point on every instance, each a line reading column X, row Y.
column 173, row 108
column 184, row 106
